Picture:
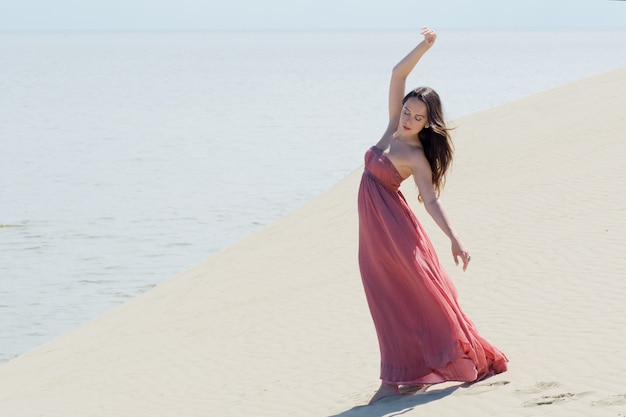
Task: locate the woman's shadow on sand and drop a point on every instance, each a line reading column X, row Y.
column 396, row 406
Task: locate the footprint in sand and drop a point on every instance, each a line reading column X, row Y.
column 484, row 387
column 612, row 400
column 549, row 399
column 538, row 387
column 553, row 399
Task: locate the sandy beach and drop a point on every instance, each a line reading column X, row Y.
column 277, row 324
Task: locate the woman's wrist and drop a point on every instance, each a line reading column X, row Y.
column 425, row 45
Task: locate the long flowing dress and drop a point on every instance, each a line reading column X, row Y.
column 423, row 334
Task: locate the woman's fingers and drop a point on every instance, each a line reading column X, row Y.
column 465, row 257
column 429, row 35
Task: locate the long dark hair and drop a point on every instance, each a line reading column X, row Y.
column 435, row 139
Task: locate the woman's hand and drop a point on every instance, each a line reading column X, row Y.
column 459, row 251
column 429, row 36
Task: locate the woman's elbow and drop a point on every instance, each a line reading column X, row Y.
column 431, row 204
column 398, row 72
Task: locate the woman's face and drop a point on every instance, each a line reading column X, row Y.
column 413, row 117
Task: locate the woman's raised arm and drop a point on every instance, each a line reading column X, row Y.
column 397, row 85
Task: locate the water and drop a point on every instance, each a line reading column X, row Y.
column 126, row 158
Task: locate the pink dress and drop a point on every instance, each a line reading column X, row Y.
column 423, row 334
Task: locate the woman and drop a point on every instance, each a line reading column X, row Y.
column 423, row 334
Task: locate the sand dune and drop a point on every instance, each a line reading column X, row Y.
column 277, row 325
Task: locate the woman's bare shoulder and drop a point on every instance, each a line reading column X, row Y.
column 416, row 158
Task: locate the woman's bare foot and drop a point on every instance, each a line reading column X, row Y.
column 385, row 391
column 413, row 388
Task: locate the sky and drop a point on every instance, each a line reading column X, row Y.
column 307, row 14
